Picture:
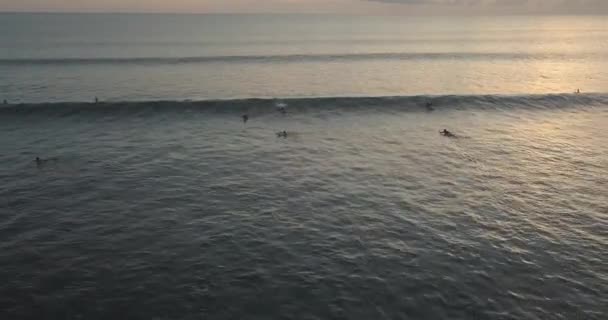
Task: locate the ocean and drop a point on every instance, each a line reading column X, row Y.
column 160, row 202
column 125, row 57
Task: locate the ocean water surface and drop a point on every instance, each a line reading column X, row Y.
column 68, row 57
column 158, row 202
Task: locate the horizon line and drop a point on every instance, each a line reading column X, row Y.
column 488, row 14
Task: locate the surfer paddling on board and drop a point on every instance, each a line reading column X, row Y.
column 39, row 161
column 447, row 133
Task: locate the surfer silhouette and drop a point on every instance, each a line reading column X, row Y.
column 39, row 161
column 447, row 133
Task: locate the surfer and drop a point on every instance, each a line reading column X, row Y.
column 245, row 118
column 281, row 107
column 282, row 134
column 429, row 106
column 578, row 91
column 446, row 133
column 40, row 161
column 96, row 100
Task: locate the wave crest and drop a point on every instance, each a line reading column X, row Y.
column 262, row 105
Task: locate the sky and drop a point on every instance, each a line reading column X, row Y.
column 406, row 7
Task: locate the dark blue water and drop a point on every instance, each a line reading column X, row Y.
column 178, row 210
column 147, row 205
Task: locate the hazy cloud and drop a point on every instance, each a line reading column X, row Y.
column 406, row 7
column 480, row 2
column 496, row 2
column 508, row 6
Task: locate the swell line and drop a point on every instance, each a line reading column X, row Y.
column 299, row 58
column 343, row 104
